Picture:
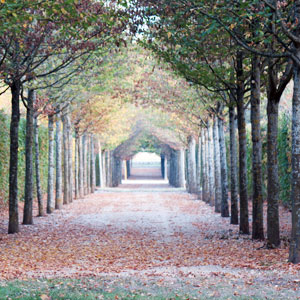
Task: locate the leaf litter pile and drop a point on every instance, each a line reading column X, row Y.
column 151, row 235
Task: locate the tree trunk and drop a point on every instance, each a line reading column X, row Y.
column 244, row 215
column 37, row 168
column 234, row 218
column 50, row 189
column 70, row 158
column 76, row 171
column 80, row 168
column 224, row 175
column 100, row 166
column 27, row 216
column 257, row 197
column 88, row 179
column 211, row 179
column 217, row 167
column 128, row 168
column 58, row 157
column 181, row 168
column 273, row 232
column 84, row 164
column 192, row 187
column 93, row 165
column 66, row 166
column 162, row 165
column 204, row 166
column 199, row 167
column 294, row 255
column 13, row 226
column 104, row 166
column 166, row 168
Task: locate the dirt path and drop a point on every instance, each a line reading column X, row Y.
column 154, row 232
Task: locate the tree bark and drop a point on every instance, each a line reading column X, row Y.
column 211, row 179
column 294, row 255
column 234, row 218
column 204, row 166
column 181, row 168
column 66, row 166
column 257, row 196
column 37, row 167
column 93, row 165
column 50, row 188
column 224, row 174
column 192, row 187
column 166, row 168
column 27, row 216
column 244, row 214
column 13, row 226
column 80, row 168
column 70, row 157
column 217, row 167
column 88, row 154
column 84, row 164
column 128, row 168
column 100, row 166
column 76, row 168
column 58, row 158
column 199, row 167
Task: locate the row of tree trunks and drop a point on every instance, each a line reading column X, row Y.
column 213, row 166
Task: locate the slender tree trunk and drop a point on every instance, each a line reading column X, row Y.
column 273, row 232
column 199, row 166
column 93, row 165
column 166, row 168
column 128, row 167
column 70, row 158
column 294, row 255
column 204, row 166
column 76, row 165
column 224, row 175
column 27, row 216
column 50, row 189
column 257, row 197
column 37, row 167
column 211, row 171
column 100, row 166
column 244, row 214
column 80, row 168
column 234, row 219
column 104, row 166
column 162, row 165
column 58, row 157
column 84, row 164
column 13, row 226
column 192, row 188
column 66, row 160
column 89, row 163
column 217, row 167
column 181, row 168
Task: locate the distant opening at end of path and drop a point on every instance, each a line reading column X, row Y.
column 145, row 172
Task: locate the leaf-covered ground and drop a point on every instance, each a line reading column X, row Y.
column 160, row 236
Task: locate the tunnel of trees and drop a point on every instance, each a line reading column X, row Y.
column 214, row 83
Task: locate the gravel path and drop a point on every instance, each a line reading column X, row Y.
column 147, row 229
